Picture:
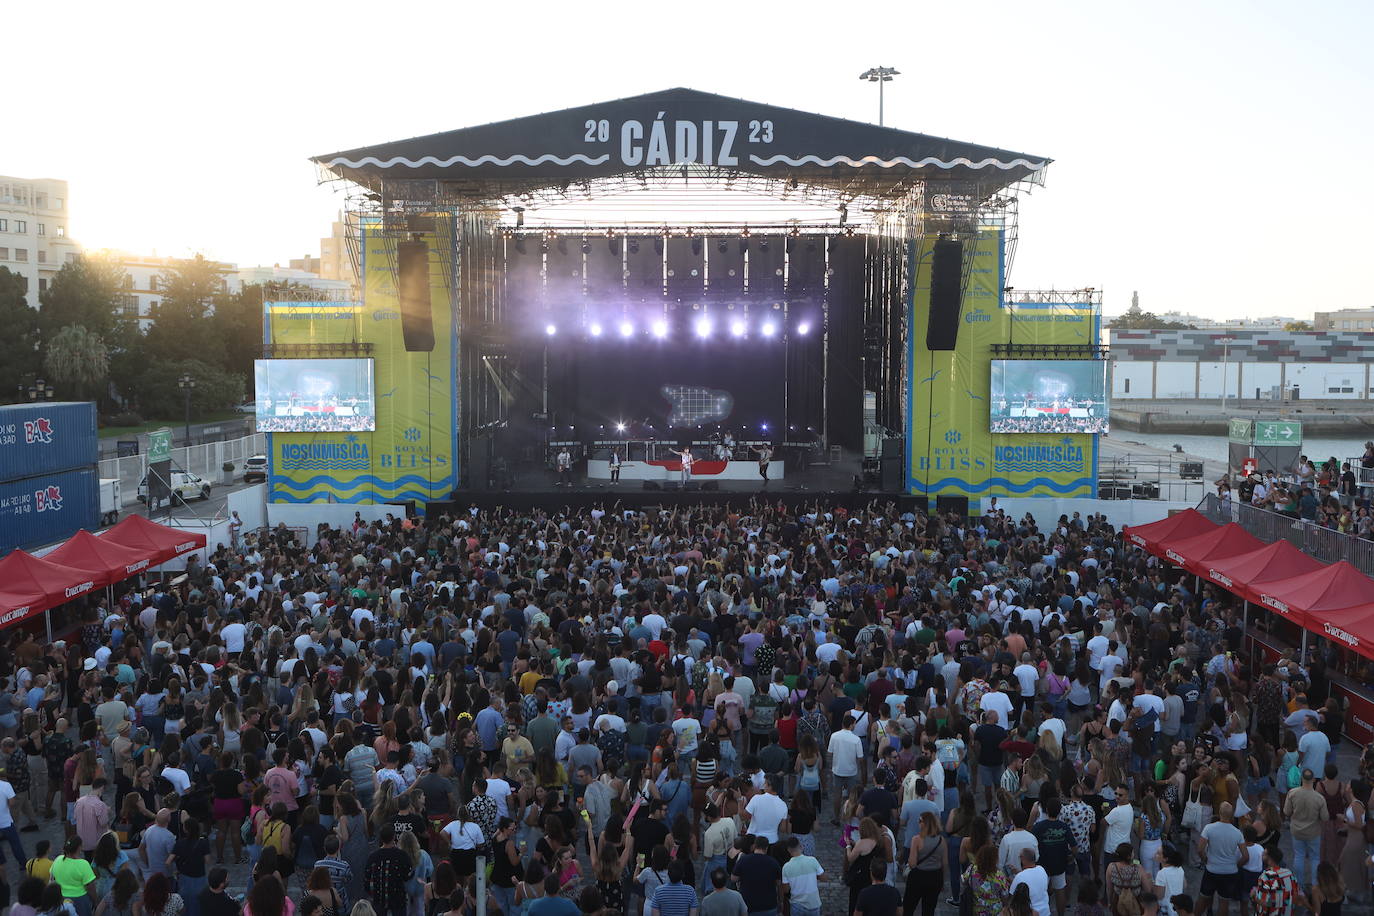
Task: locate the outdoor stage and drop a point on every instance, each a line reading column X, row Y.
column 674, row 267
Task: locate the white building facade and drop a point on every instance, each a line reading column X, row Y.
column 34, row 240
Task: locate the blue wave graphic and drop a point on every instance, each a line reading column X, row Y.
column 1039, row 467
column 323, row 464
column 364, row 497
column 1032, row 484
column 363, row 480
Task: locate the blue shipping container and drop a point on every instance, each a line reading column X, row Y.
column 43, row 510
column 42, row 438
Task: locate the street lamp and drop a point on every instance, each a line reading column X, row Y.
column 1225, row 355
column 880, row 75
column 39, row 391
column 187, row 385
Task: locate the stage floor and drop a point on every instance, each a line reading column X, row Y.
column 537, row 488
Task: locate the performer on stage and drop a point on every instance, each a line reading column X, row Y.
column 564, row 462
column 686, row 456
column 765, row 453
column 615, row 465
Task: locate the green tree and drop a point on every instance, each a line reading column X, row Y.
column 237, row 326
column 19, row 361
column 86, row 292
column 160, row 398
column 1298, row 326
column 181, row 329
column 1136, row 319
column 77, row 357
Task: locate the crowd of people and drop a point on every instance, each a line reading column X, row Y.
column 704, row 710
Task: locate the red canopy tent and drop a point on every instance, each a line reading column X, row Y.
column 1195, row 553
column 23, row 590
column 33, row 584
column 1186, row 523
column 1336, row 591
column 107, row 561
column 158, row 542
column 1353, row 626
column 1272, row 564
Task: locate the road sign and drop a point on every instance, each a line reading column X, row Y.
column 159, row 445
column 1278, row 432
column 1240, row 430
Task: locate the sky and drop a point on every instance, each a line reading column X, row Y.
column 1206, row 154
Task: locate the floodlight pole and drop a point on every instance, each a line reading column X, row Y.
column 880, row 75
column 1225, row 356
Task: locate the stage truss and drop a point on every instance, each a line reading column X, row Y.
column 891, row 214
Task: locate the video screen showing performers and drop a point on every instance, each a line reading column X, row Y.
column 314, row 395
column 678, row 384
column 1049, row 396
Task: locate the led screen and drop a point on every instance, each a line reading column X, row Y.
column 314, row 395
column 1048, row 396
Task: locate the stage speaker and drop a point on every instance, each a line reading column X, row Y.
column 946, row 294
column 711, row 486
column 893, row 447
column 890, row 474
column 652, row 485
column 417, row 319
column 692, row 486
column 672, row 485
column 956, row 504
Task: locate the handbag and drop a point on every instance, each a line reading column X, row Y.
column 1193, row 815
column 966, row 898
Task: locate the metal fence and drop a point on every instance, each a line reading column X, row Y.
column 204, row 460
column 1326, row 544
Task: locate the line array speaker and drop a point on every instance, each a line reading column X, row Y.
column 946, row 294
column 417, row 317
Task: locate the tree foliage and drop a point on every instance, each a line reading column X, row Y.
column 19, row 357
column 181, row 326
column 86, row 292
column 76, row 357
column 237, row 327
column 159, row 395
column 1137, row 319
column 1298, row 326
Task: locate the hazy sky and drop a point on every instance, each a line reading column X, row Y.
column 1209, row 155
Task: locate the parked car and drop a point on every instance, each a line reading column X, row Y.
column 250, row 408
column 185, row 486
column 255, row 468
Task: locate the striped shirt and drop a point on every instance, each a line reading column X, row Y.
column 674, row 899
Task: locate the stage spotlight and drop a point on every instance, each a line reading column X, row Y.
column 703, row 327
column 550, row 329
column 626, row 329
column 737, row 328
column 763, row 426
column 620, row 427
column 660, row 328
column 769, row 329
column 595, row 329
column 804, row 328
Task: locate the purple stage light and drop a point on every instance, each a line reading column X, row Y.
column 660, row 328
column 550, row 329
column 626, row 329
column 737, row 328
column 595, row 329
column 804, row 328
column 769, row 329
column 703, row 327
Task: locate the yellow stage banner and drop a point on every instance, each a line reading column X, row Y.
column 950, row 450
column 412, row 454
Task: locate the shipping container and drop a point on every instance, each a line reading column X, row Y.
column 38, row 439
column 45, row 509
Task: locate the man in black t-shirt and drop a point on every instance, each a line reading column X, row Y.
column 1055, row 845
column 407, row 821
column 650, row 830
column 988, row 738
column 879, row 898
column 758, row 876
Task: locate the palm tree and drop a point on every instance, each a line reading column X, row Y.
column 78, row 358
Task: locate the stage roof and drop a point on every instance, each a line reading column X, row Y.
column 676, row 127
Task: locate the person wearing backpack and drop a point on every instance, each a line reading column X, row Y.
column 1125, row 879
